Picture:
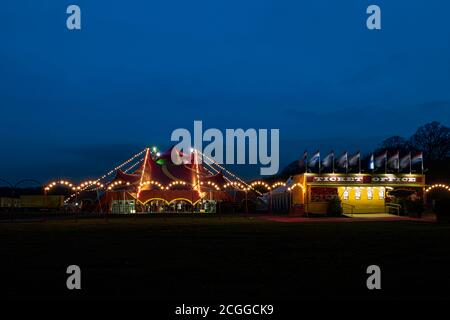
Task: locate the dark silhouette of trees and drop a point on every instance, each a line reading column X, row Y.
column 394, row 144
column 433, row 139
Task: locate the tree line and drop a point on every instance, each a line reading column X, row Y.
column 432, row 139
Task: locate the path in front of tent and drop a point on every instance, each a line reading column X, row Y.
column 366, row 217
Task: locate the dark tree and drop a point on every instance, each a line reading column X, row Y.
column 395, row 143
column 433, row 139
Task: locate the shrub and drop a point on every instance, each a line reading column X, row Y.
column 414, row 207
column 442, row 210
column 334, row 207
column 411, row 207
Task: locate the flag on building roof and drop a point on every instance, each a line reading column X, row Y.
column 328, row 160
column 372, row 162
column 354, row 159
column 393, row 161
column 314, row 159
column 379, row 160
column 405, row 161
column 303, row 159
column 418, row 157
column 343, row 160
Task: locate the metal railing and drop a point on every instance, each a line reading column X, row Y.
column 395, row 206
column 352, row 207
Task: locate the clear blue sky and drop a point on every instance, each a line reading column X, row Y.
column 75, row 103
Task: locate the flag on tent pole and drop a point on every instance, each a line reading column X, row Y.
column 303, row 161
column 315, row 159
column 328, row 160
column 380, row 159
column 394, row 161
column 355, row 159
column 343, row 161
column 406, row 161
column 372, row 163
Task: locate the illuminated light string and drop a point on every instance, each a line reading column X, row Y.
column 177, row 183
column 439, row 186
column 117, row 183
column 216, row 171
column 122, row 165
column 211, row 184
column 295, row 185
column 228, row 172
column 147, row 151
column 108, row 173
column 223, row 168
column 154, row 183
column 210, row 171
column 260, row 183
column 236, row 185
column 72, row 186
column 278, row 184
column 134, row 165
column 87, row 184
column 63, row 183
column 196, row 185
column 210, row 166
column 197, row 171
column 100, row 186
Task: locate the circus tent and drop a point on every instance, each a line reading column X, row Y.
column 159, row 178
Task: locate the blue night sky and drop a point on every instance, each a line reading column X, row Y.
column 76, row 103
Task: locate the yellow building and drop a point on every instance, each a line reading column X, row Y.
column 359, row 193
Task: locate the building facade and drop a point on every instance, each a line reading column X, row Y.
column 358, row 193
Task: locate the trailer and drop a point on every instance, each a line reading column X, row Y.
column 38, row 202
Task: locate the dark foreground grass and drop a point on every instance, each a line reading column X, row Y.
column 235, row 258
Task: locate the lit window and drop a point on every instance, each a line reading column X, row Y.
column 381, row 193
column 369, row 193
column 345, row 195
column 358, row 193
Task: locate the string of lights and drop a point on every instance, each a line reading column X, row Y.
column 147, row 150
column 134, row 165
column 278, row 184
column 236, row 185
column 260, row 183
column 118, row 183
column 197, row 172
column 440, row 186
column 211, row 165
column 215, row 171
column 225, row 170
column 212, row 184
column 155, row 183
column 107, row 174
column 295, row 185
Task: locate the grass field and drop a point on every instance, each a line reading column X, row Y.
column 228, row 258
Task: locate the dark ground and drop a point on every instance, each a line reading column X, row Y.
column 233, row 258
